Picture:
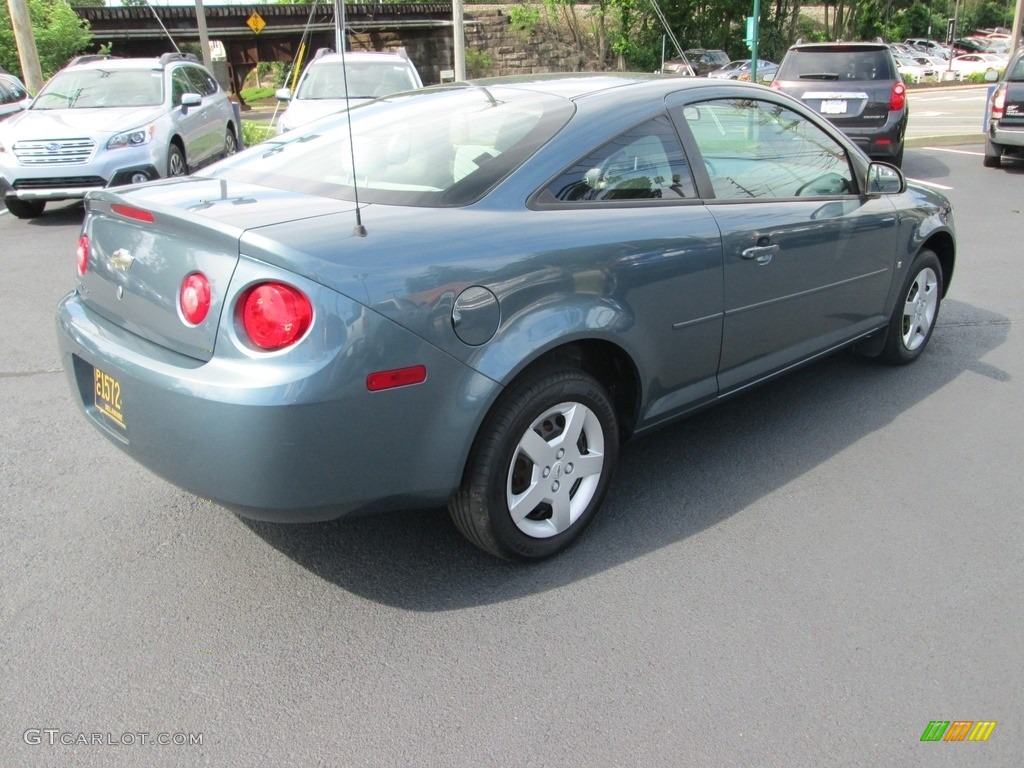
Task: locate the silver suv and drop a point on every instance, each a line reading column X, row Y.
column 103, row 122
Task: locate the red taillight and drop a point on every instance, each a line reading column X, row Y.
column 130, row 212
column 194, row 298
column 82, row 254
column 898, row 97
column 399, row 377
column 275, row 315
column 999, row 102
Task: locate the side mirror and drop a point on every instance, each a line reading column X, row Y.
column 991, row 76
column 283, row 94
column 190, row 100
column 767, row 77
column 884, row 179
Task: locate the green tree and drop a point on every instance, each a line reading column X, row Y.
column 58, row 31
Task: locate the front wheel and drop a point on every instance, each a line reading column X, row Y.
column 540, row 466
column 176, row 161
column 917, row 309
column 230, row 143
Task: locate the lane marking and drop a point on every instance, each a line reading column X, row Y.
column 931, row 184
column 955, row 151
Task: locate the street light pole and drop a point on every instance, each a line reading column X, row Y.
column 26, row 42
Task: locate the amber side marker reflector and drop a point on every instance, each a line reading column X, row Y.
column 130, row 212
column 399, row 377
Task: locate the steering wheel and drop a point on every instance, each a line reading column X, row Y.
column 830, row 183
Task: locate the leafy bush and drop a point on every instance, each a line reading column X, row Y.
column 524, row 18
column 254, row 133
column 249, row 95
column 478, row 63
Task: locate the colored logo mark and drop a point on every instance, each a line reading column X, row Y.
column 958, row 730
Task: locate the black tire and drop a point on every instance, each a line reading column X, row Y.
column 916, row 311
column 898, row 160
column 230, row 143
column 25, row 209
column 176, row 165
column 993, row 155
column 560, row 488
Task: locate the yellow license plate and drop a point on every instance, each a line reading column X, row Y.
column 107, row 392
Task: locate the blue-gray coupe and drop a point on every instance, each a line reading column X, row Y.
column 473, row 294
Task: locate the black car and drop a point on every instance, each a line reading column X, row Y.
column 856, row 86
column 705, row 60
column 1004, row 116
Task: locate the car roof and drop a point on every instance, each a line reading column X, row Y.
column 577, row 85
column 358, row 56
column 841, row 46
column 114, row 62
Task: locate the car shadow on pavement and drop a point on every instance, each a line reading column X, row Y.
column 59, row 214
column 668, row 486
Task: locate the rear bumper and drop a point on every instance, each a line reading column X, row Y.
column 883, row 142
column 278, row 441
column 1006, row 137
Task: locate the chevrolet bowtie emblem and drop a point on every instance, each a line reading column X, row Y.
column 122, row 260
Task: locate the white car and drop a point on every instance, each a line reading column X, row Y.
column 322, row 88
column 919, row 69
column 14, row 97
column 977, row 63
column 103, row 122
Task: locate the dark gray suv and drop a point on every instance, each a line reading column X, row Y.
column 856, row 86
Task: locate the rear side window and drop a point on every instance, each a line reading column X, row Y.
column 837, row 63
column 645, row 163
column 1016, row 73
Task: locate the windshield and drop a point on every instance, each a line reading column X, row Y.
column 101, row 88
column 366, row 80
column 443, row 147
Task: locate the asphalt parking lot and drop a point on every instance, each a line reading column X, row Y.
column 807, row 575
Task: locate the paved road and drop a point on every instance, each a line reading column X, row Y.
column 805, row 576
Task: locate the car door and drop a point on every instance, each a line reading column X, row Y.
column 190, row 122
column 807, row 260
column 629, row 211
column 213, row 112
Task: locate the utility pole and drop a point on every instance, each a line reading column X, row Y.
column 459, row 35
column 204, row 37
column 26, row 42
column 1018, row 20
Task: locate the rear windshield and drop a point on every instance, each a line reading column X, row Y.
column 442, row 147
column 837, row 63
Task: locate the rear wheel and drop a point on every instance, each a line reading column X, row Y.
column 230, row 143
column 25, row 209
column 917, row 309
column 540, row 466
column 993, row 155
column 898, row 160
column 176, row 161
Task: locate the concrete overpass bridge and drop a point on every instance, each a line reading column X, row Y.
column 425, row 29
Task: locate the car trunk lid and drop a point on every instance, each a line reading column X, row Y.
column 144, row 241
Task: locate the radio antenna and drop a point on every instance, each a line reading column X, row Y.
column 359, row 229
column 161, row 23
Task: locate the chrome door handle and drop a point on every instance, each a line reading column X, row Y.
column 762, row 254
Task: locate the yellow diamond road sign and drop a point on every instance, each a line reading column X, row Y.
column 256, row 23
